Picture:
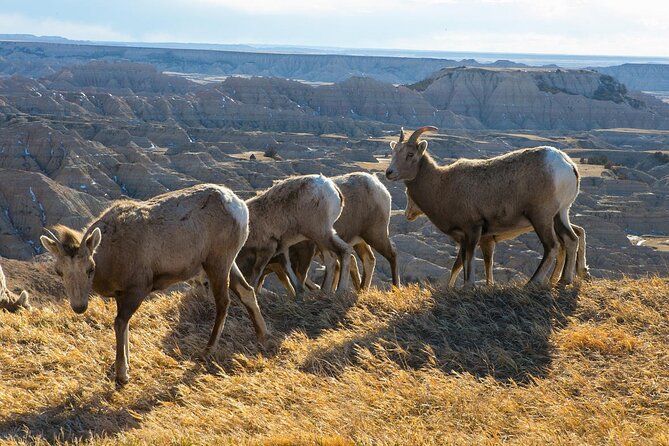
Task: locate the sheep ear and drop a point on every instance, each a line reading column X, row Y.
column 53, row 246
column 422, row 147
column 93, row 240
column 23, row 299
column 392, row 145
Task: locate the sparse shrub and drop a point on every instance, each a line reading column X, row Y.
column 661, row 158
column 601, row 160
column 611, row 90
column 271, row 152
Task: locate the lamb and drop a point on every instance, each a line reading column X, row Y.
column 470, row 198
column 135, row 248
column 293, row 210
column 363, row 224
column 8, row 300
column 488, row 242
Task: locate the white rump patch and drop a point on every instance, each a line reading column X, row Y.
column 562, row 169
column 331, row 193
column 236, row 206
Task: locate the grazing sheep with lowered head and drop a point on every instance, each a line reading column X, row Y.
column 135, row 248
column 293, row 210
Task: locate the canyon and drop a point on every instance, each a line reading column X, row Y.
column 75, row 136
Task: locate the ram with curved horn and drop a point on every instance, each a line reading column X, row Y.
column 488, row 243
column 505, row 194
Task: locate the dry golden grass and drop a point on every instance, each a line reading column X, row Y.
column 380, row 165
column 410, row 366
column 590, row 170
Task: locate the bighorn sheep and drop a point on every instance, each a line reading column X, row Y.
column 488, row 242
column 135, row 248
column 8, row 300
column 363, row 224
column 470, row 198
column 293, row 210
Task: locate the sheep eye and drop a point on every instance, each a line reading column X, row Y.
column 90, row 271
column 409, row 155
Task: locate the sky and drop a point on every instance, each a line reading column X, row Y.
column 592, row 27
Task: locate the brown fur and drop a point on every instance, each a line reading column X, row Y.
column 70, row 239
column 147, row 246
column 363, row 223
column 488, row 242
column 471, row 198
column 293, row 210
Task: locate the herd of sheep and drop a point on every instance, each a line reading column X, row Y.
column 134, row 248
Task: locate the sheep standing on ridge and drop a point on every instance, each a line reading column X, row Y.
column 471, row 198
column 9, row 301
column 488, row 242
column 363, row 224
column 293, row 210
column 135, row 248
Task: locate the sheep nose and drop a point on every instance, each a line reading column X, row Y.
column 388, row 173
column 79, row 308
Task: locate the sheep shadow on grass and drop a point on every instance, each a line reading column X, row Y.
column 501, row 332
column 311, row 313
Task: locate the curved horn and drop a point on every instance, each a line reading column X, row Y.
column 51, row 234
column 401, row 134
column 413, row 139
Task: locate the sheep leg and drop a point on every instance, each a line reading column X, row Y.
column 366, row 254
column 269, row 269
column 332, row 243
column 284, row 260
column 313, row 286
column 277, row 268
column 581, row 263
column 337, row 275
column 457, row 266
column 245, row 293
column 301, row 255
column 219, row 280
column 560, row 262
column 126, row 304
column 487, row 245
column 263, row 257
column 570, row 242
column 355, row 274
column 546, row 232
column 384, row 246
column 330, row 261
column 471, row 242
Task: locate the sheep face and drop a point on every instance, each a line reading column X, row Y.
column 405, row 161
column 75, row 264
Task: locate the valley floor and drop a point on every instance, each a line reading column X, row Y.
column 581, row 365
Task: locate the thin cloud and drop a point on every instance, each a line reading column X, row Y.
column 19, row 24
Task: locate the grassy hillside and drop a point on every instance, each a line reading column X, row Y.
column 493, row 365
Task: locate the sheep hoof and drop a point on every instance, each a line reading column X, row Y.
column 122, row 379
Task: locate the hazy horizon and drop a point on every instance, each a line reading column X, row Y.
column 577, row 28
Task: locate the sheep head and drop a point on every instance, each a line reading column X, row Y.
column 407, row 155
column 74, row 262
